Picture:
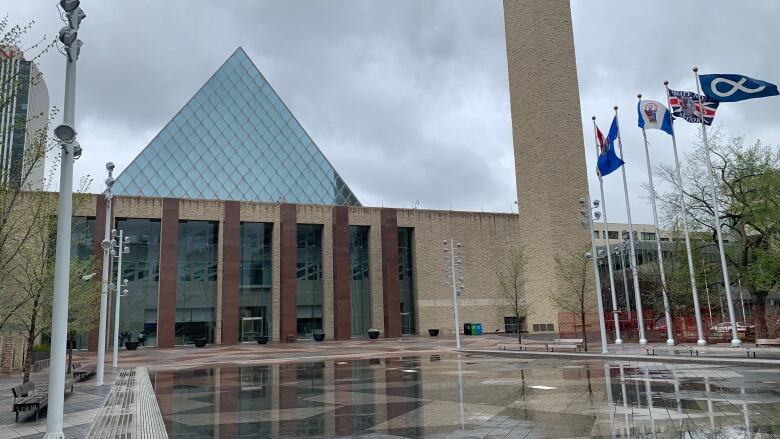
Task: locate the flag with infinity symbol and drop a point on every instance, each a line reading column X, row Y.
column 733, row 88
column 688, row 105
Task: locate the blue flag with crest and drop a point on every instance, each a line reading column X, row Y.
column 608, row 162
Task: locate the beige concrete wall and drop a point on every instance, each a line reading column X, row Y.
column 486, row 242
column 548, row 143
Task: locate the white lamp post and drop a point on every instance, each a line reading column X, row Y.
column 587, row 223
column 106, row 245
column 66, row 135
column 119, row 249
column 453, row 275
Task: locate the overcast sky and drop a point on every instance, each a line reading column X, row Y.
column 408, row 99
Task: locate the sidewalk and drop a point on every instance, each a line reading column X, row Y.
column 80, row 406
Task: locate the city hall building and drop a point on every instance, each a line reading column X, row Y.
column 239, row 227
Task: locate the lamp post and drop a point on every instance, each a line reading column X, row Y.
column 119, row 249
column 620, row 247
column 66, row 135
column 453, row 275
column 106, row 246
column 587, row 224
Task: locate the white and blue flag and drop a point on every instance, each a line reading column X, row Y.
column 653, row 115
column 733, row 88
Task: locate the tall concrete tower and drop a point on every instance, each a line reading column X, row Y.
column 547, row 133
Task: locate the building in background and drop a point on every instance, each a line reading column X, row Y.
column 24, row 114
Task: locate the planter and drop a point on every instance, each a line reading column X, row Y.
column 433, row 332
column 131, row 345
column 319, row 337
column 200, row 342
column 373, row 334
column 261, row 339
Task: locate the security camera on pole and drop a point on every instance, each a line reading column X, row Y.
column 106, row 246
column 66, row 136
column 119, row 249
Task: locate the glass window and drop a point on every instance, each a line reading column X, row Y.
column 406, row 280
column 82, row 241
column 613, row 234
column 647, row 236
column 309, row 279
column 196, row 288
column 141, row 267
column 254, row 286
column 360, row 281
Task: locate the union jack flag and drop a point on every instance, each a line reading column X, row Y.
column 687, row 105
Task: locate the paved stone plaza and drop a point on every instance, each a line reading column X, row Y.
column 420, row 387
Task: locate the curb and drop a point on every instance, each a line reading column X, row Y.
column 645, row 358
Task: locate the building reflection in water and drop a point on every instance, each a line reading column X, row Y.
column 435, row 396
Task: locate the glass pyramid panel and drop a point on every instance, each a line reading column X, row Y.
column 235, row 140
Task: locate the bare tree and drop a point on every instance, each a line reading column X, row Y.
column 511, row 287
column 574, row 295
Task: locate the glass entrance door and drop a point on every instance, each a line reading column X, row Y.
column 252, row 327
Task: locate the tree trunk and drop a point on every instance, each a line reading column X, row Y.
column 584, row 335
column 28, row 361
column 759, row 313
column 519, row 330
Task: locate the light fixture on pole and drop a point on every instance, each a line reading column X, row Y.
column 106, row 246
column 119, row 249
column 453, row 276
column 587, row 224
column 66, row 136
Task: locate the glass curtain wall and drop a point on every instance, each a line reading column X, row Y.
column 141, row 267
column 254, row 287
column 406, row 280
column 82, row 240
column 360, row 283
column 309, row 283
column 196, row 289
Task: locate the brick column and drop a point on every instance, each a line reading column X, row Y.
column 169, row 255
column 100, row 224
column 391, row 293
column 288, row 292
column 342, row 315
column 231, row 259
column 229, row 394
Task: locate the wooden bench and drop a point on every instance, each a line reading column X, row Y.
column 533, row 343
column 577, row 344
column 695, row 350
column 26, row 398
column 82, row 373
column 767, row 342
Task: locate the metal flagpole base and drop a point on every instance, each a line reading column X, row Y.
column 670, row 342
column 618, row 341
column 59, row 435
column 701, row 342
column 736, row 343
column 642, row 341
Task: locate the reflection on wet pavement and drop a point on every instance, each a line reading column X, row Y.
column 471, row 397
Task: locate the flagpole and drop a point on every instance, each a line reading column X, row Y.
column 632, row 251
column 615, row 316
column 669, row 329
column 684, row 213
column 735, row 341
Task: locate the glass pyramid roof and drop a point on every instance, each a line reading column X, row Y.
column 235, row 140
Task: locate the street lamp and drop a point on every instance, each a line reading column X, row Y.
column 588, row 216
column 119, row 248
column 620, row 248
column 66, row 135
column 106, row 246
column 453, row 276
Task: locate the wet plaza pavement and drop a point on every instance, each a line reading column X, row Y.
column 449, row 395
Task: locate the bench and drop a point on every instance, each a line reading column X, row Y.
column 767, row 342
column 695, row 350
column 533, row 343
column 83, row 372
column 567, row 343
column 26, row 398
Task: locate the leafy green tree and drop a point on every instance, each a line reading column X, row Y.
column 748, row 178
